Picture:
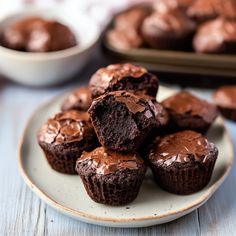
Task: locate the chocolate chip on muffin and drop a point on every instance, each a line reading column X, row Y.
column 123, row 77
column 80, row 99
column 216, row 36
column 183, row 162
column 122, row 120
column 171, row 30
column 189, row 112
column 64, row 137
column 225, row 99
column 111, row 177
column 35, row 34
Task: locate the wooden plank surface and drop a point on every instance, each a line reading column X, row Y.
column 23, row 213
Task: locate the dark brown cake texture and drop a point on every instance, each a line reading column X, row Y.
column 171, row 30
column 123, row 77
column 64, row 137
column 225, row 99
column 216, row 36
column 122, row 120
column 183, row 162
column 110, row 177
column 186, row 111
column 35, row 34
column 80, row 99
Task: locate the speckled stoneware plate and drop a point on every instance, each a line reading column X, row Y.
column 152, row 206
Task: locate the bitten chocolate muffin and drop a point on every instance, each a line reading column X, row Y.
column 123, row 77
column 202, row 10
column 225, row 99
column 110, row 177
column 35, row 34
column 171, row 30
column 64, row 137
column 80, row 99
column 189, row 112
column 122, row 120
column 216, row 36
column 183, row 162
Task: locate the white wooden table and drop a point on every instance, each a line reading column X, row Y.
column 23, row 213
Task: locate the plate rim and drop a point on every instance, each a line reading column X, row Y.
column 91, row 217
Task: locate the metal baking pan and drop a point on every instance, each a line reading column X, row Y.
column 174, row 61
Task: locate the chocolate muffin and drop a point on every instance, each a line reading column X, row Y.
column 227, row 9
column 216, row 36
column 123, row 77
column 225, row 99
column 189, row 112
column 80, row 99
column 183, row 162
column 170, row 30
column 122, row 120
column 35, row 34
column 202, row 10
column 111, row 177
column 124, row 39
column 64, row 137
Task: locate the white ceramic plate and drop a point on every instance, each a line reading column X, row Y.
column 152, row 206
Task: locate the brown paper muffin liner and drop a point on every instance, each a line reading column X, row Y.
column 184, row 180
column 111, row 190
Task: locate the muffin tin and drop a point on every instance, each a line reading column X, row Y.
column 174, row 61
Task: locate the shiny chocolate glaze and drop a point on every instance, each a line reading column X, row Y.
column 186, row 103
column 181, row 147
column 226, row 97
column 106, row 161
column 67, row 127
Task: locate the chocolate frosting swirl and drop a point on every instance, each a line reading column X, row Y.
column 181, row 147
column 66, row 127
column 185, row 103
column 106, row 161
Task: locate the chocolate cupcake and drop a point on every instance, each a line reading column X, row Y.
column 170, row 30
column 202, row 10
column 123, row 77
column 110, row 177
column 122, row 120
column 216, row 36
column 64, row 137
column 183, row 162
column 35, row 34
column 189, row 112
column 225, row 99
column 80, row 99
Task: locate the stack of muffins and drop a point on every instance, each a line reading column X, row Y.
column 112, row 130
column 205, row 26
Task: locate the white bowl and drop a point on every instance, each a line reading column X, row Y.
column 50, row 68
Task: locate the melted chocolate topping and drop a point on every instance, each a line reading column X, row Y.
column 113, row 73
column 186, row 103
column 226, row 97
column 66, row 127
column 181, row 147
column 107, row 161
